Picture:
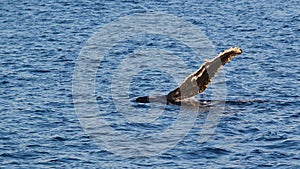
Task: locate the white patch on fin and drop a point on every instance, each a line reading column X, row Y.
column 194, row 79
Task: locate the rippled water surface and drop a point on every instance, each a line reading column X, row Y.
column 257, row 127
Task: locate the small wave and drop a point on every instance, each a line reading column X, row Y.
column 218, row 151
column 290, row 144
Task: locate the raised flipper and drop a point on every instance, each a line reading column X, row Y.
column 196, row 82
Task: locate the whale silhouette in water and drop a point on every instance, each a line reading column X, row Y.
column 196, row 82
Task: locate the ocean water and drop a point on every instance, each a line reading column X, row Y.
column 252, row 122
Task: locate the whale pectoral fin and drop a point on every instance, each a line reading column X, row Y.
column 196, row 82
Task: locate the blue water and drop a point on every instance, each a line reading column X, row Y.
column 41, row 40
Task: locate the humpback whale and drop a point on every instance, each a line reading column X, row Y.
column 196, row 82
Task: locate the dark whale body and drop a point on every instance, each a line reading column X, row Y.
column 196, row 82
